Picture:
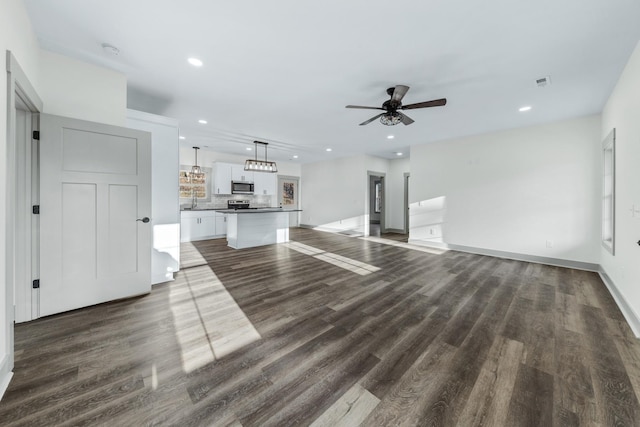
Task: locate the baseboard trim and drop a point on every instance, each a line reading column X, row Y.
column 578, row 265
column 5, row 375
column 629, row 314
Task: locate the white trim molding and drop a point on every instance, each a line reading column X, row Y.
column 5, row 375
column 627, row 311
column 578, row 265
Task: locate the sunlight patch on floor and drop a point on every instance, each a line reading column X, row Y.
column 190, row 256
column 390, row 242
column 209, row 323
column 352, row 265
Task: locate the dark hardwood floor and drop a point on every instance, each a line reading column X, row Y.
column 336, row 331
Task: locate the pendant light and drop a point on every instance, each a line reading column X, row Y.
column 255, row 165
column 196, row 171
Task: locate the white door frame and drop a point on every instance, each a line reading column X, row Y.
column 406, row 202
column 383, row 225
column 18, row 87
column 296, row 215
column 26, row 249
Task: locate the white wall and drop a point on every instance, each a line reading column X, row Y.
column 513, row 191
column 395, row 193
column 17, row 36
column 622, row 112
column 335, row 193
column 73, row 88
column 165, row 206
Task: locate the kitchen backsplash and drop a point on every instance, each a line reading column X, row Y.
column 219, row 201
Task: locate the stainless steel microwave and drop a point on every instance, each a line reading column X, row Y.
column 241, row 187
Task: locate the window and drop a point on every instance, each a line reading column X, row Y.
column 608, row 191
column 191, row 186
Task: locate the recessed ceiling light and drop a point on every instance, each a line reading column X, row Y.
column 329, row 149
column 398, row 154
column 295, row 156
column 202, row 122
column 195, row 62
column 525, row 108
column 248, row 148
column 390, row 136
column 181, row 137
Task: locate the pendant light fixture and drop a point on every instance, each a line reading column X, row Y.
column 196, row 171
column 256, row 165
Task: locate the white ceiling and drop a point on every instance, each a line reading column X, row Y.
column 282, row 71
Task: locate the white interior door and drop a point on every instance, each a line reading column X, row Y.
column 95, row 188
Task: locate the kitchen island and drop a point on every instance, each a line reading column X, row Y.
column 247, row 228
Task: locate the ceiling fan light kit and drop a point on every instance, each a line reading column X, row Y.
column 392, row 116
column 390, row 119
column 255, row 165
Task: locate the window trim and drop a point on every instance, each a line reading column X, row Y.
column 609, row 191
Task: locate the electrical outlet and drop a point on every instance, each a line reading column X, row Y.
column 549, row 243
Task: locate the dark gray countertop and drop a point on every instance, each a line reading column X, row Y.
column 255, row 211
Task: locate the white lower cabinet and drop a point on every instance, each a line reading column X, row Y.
column 221, row 224
column 202, row 225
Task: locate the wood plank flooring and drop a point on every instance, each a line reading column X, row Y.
column 273, row 336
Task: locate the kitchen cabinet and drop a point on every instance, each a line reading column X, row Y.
column 239, row 174
column 265, row 183
column 221, row 224
column 197, row 225
column 202, row 225
column 222, row 178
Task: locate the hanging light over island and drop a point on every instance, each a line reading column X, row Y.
column 256, row 165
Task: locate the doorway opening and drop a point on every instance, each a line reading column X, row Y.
column 27, row 225
column 23, row 104
column 376, row 204
column 406, row 202
column 289, row 197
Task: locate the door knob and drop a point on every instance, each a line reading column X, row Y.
column 145, row 219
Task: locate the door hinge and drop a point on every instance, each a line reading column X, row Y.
column 36, row 209
column 36, row 284
column 36, row 135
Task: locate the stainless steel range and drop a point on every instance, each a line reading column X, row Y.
column 237, row 204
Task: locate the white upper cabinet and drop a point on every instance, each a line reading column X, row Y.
column 239, row 174
column 222, row 176
column 265, row 183
column 224, row 173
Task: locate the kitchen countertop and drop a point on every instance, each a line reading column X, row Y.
column 255, row 211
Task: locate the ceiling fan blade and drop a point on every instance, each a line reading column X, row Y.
column 406, row 120
column 434, row 103
column 366, row 108
column 372, row 119
column 399, row 93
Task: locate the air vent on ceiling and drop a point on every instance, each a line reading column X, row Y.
column 543, row 81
